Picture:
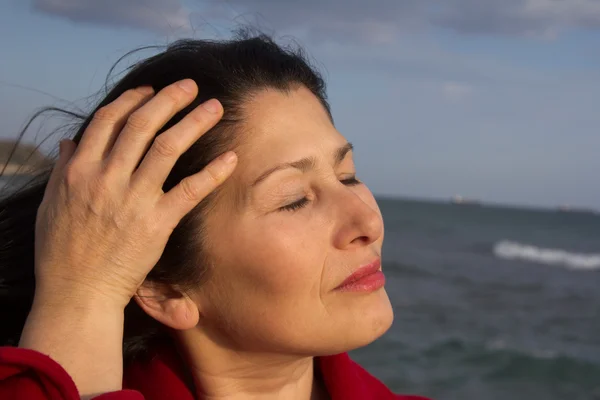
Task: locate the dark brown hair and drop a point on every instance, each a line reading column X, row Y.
column 231, row 71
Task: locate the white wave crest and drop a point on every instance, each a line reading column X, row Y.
column 517, row 251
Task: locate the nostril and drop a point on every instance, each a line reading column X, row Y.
column 362, row 239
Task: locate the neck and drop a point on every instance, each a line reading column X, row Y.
column 225, row 374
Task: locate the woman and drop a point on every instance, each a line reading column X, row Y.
column 194, row 248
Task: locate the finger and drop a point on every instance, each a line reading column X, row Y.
column 66, row 150
column 171, row 144
column 108, row 121
column 180, row 200
column 142, row 125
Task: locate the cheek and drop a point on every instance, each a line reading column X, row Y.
column 277, row 258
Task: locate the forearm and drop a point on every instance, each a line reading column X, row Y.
column 83, row 335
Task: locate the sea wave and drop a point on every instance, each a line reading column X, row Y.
column 497, row 360
column 510, row 250
column 485, row 351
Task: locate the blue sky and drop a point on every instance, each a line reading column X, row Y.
column 497, row 100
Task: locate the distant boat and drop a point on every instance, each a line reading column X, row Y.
column 565, row 208
column 460, row 200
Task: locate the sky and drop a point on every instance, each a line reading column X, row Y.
column 495, row 100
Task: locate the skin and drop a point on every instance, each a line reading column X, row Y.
column 270, row 304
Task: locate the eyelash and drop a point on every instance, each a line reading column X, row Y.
column 352, row 181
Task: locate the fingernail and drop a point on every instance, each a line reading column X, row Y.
column 229, row 157
column 188, row 85
column 212, row 106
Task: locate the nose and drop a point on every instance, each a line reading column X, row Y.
column 358, row 220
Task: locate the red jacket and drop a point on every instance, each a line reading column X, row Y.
column 30, row 375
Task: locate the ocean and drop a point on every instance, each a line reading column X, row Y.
column 490, row 303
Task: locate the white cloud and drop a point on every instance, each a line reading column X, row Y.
column 164, row 16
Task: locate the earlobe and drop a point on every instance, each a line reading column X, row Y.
column 173, row 309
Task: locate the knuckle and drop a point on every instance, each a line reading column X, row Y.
column 163, row 148
column 199, row 116
column 138, row 93
column 116, row 166
column 131, row 95
column 108, row 113
column 173, row 95
column 137, row 121
column 188, row 191
column 214, row 174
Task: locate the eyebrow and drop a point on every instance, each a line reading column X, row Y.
column 305, row 164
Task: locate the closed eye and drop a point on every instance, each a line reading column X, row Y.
column 352, row 181
column 295, row 205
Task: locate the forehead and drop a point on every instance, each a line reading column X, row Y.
column 283, row 127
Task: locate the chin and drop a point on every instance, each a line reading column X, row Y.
column 376, row 320
column 367, row 322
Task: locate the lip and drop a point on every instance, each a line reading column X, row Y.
column 366, row 278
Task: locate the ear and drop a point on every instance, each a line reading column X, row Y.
column 168, row 306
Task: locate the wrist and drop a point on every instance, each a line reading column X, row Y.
column 78, row 299
column 83, row 310
column 83, row 334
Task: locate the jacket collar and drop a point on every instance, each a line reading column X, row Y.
column 163, row 377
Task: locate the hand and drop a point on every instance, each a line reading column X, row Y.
column 103, row 224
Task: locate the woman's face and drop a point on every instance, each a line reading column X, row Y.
column 283, row 237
